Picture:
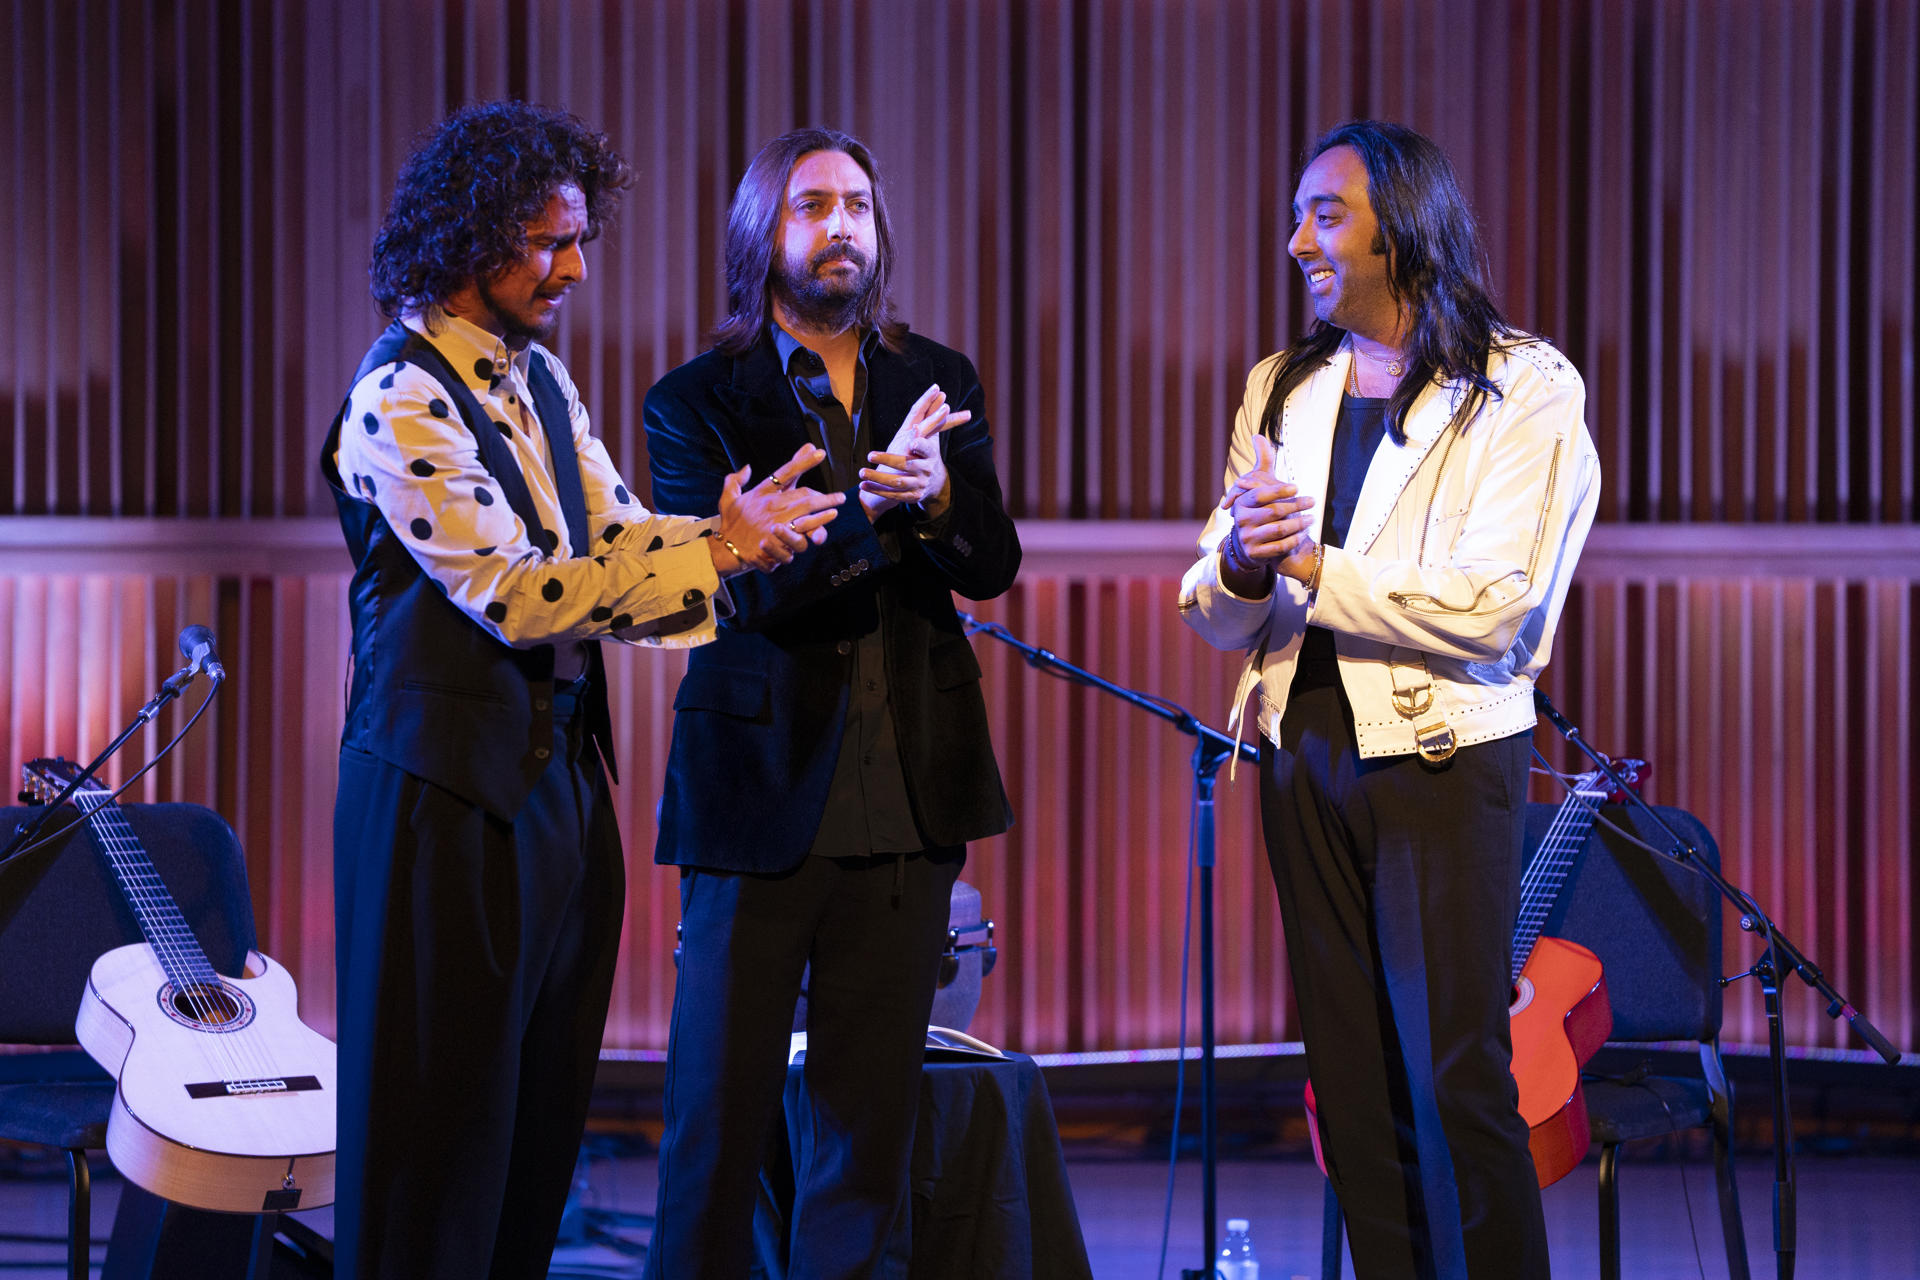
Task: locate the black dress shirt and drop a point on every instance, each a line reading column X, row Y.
column 868, row 810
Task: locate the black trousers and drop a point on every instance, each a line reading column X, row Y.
column 874, row 930
column 1399, row 883
column 475, row 959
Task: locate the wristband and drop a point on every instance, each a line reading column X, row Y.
column 1319, row 561
column 1235, row 553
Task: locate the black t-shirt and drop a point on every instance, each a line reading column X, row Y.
column 1357, row 432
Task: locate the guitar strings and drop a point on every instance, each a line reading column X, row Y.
column 150, row 903
column 1546, row 873
column 138, row 895
column 231, row 1055
column 82, row 815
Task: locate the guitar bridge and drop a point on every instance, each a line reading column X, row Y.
column 251, row 1088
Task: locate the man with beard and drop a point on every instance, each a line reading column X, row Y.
column 830, row 757
column 478, row 869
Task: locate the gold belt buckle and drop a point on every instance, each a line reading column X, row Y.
column 1412, row 703
column 1436, row 741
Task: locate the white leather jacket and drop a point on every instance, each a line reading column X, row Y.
column 1443, row 601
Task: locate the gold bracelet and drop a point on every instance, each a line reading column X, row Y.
column 1319, row 561
column 728, row 544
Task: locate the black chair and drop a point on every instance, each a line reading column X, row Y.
column 1656, row 927
column 1657, row 930
column 60, row 910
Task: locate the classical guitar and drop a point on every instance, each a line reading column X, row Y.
column 225, row 1098
column 1558, row 1011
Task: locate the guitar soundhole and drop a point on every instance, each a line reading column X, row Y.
column 207, row 1007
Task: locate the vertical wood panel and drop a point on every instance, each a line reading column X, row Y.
column 1709, row 204
column 1093, row 199
column 1801, row 760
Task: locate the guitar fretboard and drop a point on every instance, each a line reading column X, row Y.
column 161, row 923
column 1552, row 863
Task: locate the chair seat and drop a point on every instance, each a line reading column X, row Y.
column 57, row 1113
column 1655, row 1107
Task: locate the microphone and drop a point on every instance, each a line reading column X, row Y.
column 196, row 645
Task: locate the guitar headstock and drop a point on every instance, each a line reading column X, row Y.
column 1635, row 772
column 43, row 779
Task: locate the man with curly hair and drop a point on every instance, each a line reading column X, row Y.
column 478, row 869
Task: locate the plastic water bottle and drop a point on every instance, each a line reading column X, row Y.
column 1236, row 1255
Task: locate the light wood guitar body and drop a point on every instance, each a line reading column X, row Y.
column 268, row 1145
column 225, row 1099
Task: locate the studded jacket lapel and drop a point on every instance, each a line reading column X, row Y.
column 1394, row 465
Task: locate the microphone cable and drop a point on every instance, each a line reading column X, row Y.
column 81, row 816
column 1180, row 1057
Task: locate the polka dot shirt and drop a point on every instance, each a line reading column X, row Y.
column 404, row 448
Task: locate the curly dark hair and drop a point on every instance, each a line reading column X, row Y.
column 463, row 198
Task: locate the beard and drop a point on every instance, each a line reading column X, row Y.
column 823, row 303
column 517, row 330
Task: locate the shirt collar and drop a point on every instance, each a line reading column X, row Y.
column 479, row 357
column 810, row 365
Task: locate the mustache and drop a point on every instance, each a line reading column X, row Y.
column 837, row 252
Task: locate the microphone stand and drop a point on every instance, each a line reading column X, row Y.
column 1211, row 750
column 170, row 688
column 1781, row 957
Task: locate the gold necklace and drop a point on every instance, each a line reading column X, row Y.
column 1393, row 366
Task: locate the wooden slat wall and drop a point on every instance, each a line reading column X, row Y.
column 1710, row 204
column 1775, row 706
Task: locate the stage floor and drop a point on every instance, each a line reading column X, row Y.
column 1856, row 1217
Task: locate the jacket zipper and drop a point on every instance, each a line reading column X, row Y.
column 1406, row 599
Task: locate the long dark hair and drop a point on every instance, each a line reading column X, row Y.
column 1434, row 263
column 463, row 198
column 753, row 231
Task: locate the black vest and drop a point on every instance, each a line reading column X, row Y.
column 432, row 691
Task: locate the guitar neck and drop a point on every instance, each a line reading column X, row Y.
column 161, row 923
column 1552, row 863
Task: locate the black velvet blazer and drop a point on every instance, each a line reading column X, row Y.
column 759, row 715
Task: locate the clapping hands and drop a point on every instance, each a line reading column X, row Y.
column 911, row 468
column 766, row 526
column 1270, row 520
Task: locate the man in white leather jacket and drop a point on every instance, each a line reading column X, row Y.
column 1408, row 489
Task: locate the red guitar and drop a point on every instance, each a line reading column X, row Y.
column 1559, row 1015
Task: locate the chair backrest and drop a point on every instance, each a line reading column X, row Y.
column 1654, row 923
column 61, row 909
